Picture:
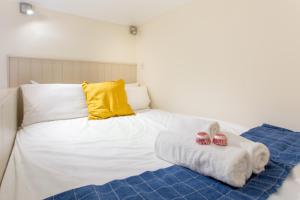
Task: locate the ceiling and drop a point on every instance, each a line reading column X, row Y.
column 126, row 12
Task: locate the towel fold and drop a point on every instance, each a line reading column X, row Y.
column 212, row 129
column 230, row 164
column 258, row 152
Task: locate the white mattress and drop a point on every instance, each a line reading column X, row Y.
column 52, row 157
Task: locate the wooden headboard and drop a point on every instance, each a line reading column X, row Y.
column 21, row 70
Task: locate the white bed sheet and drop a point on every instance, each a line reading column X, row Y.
column 52, row 157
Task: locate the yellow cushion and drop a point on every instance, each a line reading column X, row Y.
column 106, row 99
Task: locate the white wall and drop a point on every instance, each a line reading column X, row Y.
column 54, row 35
column 227, row 59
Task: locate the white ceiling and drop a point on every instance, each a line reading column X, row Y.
column 124, row 12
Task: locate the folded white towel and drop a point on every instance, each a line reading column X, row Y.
column 258, row 152
column 230, row 165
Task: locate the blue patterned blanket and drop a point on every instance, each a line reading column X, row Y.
column 177, row 183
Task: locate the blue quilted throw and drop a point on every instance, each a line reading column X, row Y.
column 177, row 182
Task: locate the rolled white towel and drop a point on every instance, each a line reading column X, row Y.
column 230, row 165
column 258, row 152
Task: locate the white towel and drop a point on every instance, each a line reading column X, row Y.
column 230, row 165
column 258, row 152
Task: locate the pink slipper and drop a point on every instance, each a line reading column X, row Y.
column 220, row 139
column 203, row 138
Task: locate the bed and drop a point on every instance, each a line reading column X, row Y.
column 51, row 157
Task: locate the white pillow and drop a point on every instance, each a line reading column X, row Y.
column 138, row 97
column 47, row 102
column 132, row 85
column 33, row 82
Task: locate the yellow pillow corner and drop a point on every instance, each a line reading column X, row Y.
column 107, row 99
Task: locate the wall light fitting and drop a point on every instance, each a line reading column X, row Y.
column 26, row 8
column 133, row 30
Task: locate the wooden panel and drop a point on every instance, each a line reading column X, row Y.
column 36, row 70
column 57, row 68
column 22, row 70
column 46, row 71
column 13, row 71
column 8, row 126
column 108, row 71
column 101, row 71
